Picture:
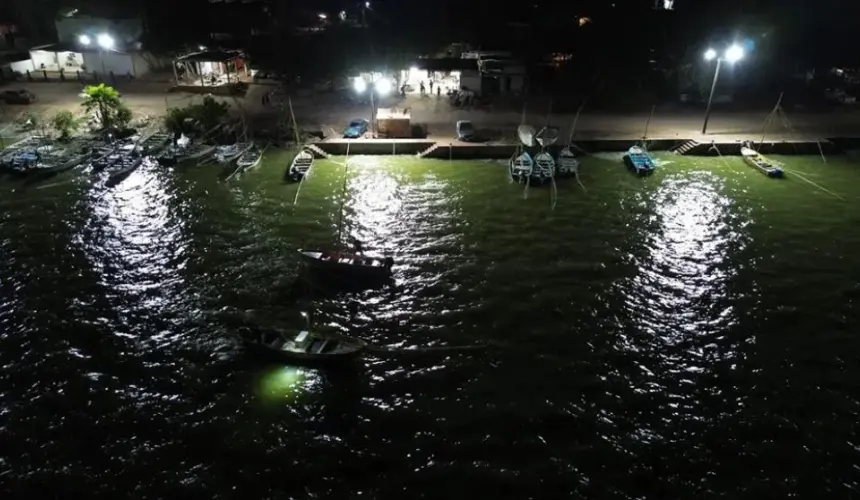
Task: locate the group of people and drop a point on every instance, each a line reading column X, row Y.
column 422, row 88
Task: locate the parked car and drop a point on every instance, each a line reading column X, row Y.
column 465, row 131
column 19, row 96
column 356, row 128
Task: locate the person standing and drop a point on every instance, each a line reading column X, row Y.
column 431, row 86
column 422, row 88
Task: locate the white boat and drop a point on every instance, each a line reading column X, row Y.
column 527, row 135
column 300, row 165
column 250, row 158
column 226, row 154
column 544, row 167
column 522, row 167
column 547, row 136
column 567, row 164
column 759, row 162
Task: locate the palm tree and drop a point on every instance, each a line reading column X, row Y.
column 104, row 101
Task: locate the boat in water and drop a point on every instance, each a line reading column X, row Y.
column 249, row 159
column 522, row 167
column 300, row 165
column 226, row 154
column 304, row 347
column 639, row 161
column 526, row 134
column 544, row 169
column 155, row 143
column 348, row 264
column 567, row 164
column 754, row 159
column 131, row 160
column 547, row 136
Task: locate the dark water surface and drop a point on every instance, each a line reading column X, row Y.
column 689, row 335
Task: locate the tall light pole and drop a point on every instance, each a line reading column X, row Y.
column 733, row 54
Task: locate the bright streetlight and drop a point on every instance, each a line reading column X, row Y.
column 383, row 87
column 367, row 5
column 105, row 41
column 360, row 85
column 84, row 39
column 733, row 54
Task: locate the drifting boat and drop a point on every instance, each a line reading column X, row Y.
column 348, row 264
column 639, row 161
column 754, row 159
column 567, row 164
column 305, row 347
column 226, row 154
column 526, row 134
column 547, row 136
column 545, row 166
column 522, row 167
column 300, row 165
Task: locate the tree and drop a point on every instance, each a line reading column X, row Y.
column 178, row 120
column 211, row 113
column 122, row 116
column 65, row 123
column 104, row 101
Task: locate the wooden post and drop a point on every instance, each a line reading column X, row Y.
column 768, row 120
column 648, row 123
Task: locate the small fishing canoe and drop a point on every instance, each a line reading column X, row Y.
column 754, row 159
column 521, row 167
column 639, row 161
column 300, row 165
column 545, row 167
column 305, row 347
column 567, row 164
column 348, row 264
column 547, row 136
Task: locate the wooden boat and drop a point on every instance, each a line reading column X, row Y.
column 522, row 167
column 300, row 165
column 547, row 136
column 155, row 143
column 754, row 159
column 249, row 159
column 544, row 167
column 639, row 161
column 567, row 164
column 526, row 134
column 226, row 154
column 305, row 347
column 348, row 264
column 123, row 168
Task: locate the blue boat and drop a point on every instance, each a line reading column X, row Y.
column 638, row 160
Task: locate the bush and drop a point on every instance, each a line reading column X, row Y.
column 65, row 123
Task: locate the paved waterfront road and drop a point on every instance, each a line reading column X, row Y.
column 330, row 113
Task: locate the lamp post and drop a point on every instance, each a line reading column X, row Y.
column 733, row 54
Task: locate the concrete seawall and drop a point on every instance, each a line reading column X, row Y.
column 467, row 151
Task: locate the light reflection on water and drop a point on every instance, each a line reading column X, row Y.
column 636, row 377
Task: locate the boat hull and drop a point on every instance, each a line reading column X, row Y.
column 639, row 161
column 260, row 350
column 346, row 265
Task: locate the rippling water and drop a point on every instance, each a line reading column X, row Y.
column 688, row 335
